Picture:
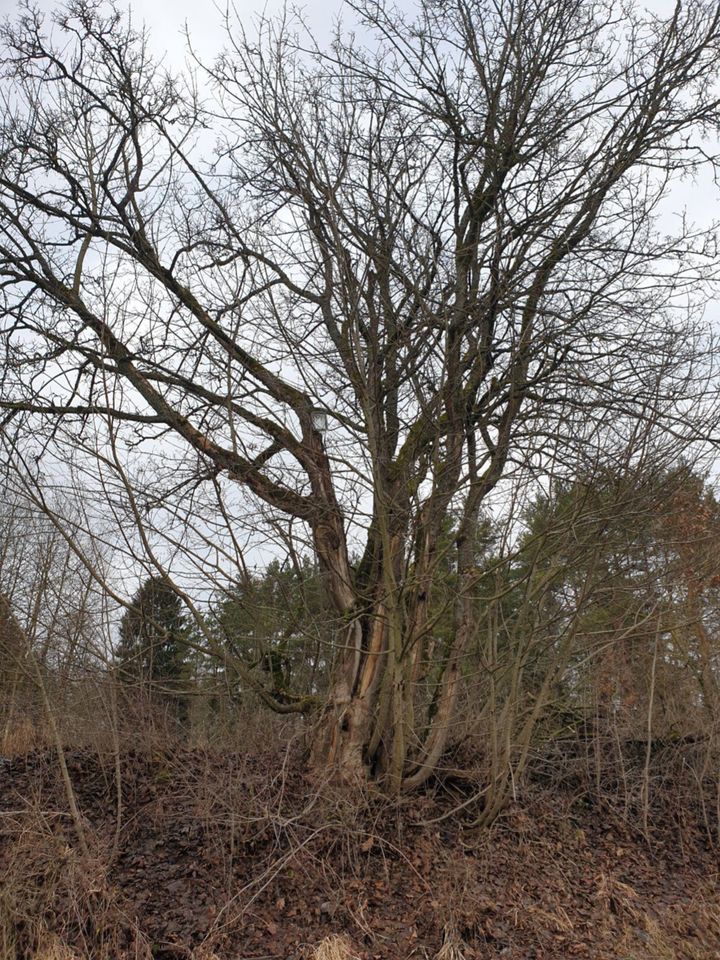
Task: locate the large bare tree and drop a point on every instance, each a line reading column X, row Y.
column 444, row 237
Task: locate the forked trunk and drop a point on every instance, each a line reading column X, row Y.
column 345, row 728
column 369, row 729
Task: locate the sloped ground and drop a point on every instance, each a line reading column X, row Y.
column 229, row 856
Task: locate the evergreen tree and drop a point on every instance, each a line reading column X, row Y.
column 278, row 620
column 153, row 639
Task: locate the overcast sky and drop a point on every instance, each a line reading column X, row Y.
column 167, row 20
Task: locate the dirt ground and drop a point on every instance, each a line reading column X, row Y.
column 217, row 856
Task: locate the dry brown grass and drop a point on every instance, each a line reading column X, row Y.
column 452, row 945
column 334, row 947
column 22, row 736
column 680, row 932
column 54, row 949
column 56, row 904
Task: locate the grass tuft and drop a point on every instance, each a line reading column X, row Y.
column 334, row 947
column 452, row 945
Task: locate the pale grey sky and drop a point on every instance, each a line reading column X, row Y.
column 167, row 18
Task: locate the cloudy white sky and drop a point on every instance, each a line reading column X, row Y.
column 167, row 18
column 167, row 21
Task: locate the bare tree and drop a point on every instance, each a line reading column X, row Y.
column 445, row 242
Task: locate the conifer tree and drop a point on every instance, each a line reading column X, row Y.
column 153, row 639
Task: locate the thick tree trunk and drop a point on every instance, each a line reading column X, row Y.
column 368, row 728
column 343, row 734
